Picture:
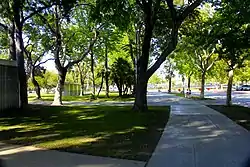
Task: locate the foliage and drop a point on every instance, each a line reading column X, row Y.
column 46, row 81
column 155, row 79
column 169, row 66
column 218, row 73
column 243, row 74
column 232, row 31
column 122, row 75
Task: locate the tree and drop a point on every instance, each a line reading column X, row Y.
column 83, row 71
column 156, row 14
column 109, row 37
column 198, row 47
column 184, row 65
column 122, row 75
column 231, row 30
column 169, row 68
column 72, row 42
column 37, row 47
column 243, row 74
column 49, row 80
column 16, row 14
column 218, row 73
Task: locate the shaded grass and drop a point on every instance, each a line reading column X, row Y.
column 85, row 98
column 239, row 114
column 95, row 130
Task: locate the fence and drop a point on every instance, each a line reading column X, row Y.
column 9, row 85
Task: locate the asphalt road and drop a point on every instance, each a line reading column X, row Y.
column 238, row 97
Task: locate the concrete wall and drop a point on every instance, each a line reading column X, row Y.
column 9, row 86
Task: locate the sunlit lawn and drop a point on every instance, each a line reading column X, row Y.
column 193, row 97
column 85, row 98
column 239, row 114
column 95, row 130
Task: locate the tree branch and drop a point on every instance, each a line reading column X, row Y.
column 70, row 64
column 37, row 11
column 70, row 37
column 41, row 55
column 155, row 10
column 44, row 62
column 172, row 9
column 45, row 21
column 211, row 65
column 160, row 60
column 6, row 28
column 189, row 10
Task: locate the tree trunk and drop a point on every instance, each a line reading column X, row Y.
column 12, row 44
column 133, row 58
column 101, row 85
column 60, row 86
column 82, row 87
column 82, row 78
column 183, row 84
column 20, row 60
column 140, row 103
column 106, row 72
column 35, row 83
column 203, row 77
column 120, row 91
column 93, row 72
column 82, row 82
column 169, row 84
column 229, row 87
column 189, row 82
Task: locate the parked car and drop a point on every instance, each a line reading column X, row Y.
column 243, row 88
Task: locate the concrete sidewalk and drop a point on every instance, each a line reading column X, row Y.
column 198, row 136
column 27, row 156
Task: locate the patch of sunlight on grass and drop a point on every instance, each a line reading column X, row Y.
column 69, row 142
column 139, row 128
column 131, row 130
column 2, row 128
column 35, row 127
column 30, row 139
column 124, row 131
column 46, row 136
column 90, row 117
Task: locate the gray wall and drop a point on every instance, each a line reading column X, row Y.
column 9, row 86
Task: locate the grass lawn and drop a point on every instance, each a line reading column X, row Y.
column 239, row 114
column 95, row 130
column 193, row 97
column 85, row 98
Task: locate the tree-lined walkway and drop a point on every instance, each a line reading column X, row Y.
column 195, row 136
column 198, row 136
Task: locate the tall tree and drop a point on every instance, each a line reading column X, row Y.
column 232, row 32
column 156, row 15
column 16, row 14
column 122, row 75
column 72, row 42
column 169, row 69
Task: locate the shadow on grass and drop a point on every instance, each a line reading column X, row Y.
column 96, row 130
column 239, row 114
